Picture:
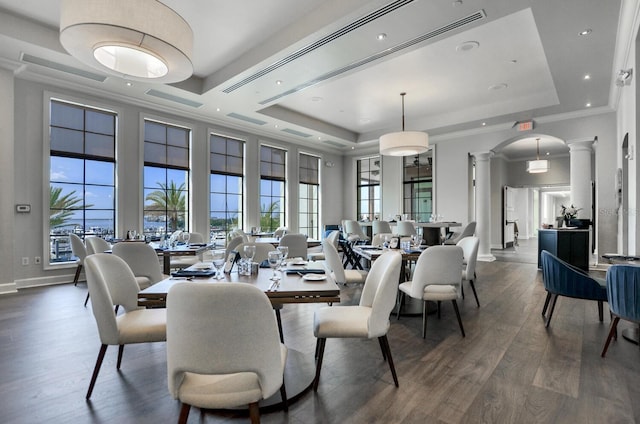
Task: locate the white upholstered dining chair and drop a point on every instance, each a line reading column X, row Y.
column 334, row 264
column 369, row 319
column 469, row 247
column 96, row 244
column 231, row 356
column 297, row 244
column 142, row 260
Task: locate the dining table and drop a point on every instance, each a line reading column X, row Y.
column 432, row 232
column 192, row 249
column 275, row 241
column 299, row 282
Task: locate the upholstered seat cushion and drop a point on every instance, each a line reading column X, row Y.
column 220, row 391
column 143, row 282
column 356, row 276
column 142, row 325
column 440, row 292
column 341, row 321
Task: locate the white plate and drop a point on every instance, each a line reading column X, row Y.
column 314, row 277
column 202, row 266
column 299, row 263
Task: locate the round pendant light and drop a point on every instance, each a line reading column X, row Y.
column 404, row 143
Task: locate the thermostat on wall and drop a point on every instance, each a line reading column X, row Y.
column 23, row 208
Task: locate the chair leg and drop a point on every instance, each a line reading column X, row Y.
column 86, row 300
column 120, row 352
column 612, row 331
column 399, row 306
column 600, row 310
column 475, row 294
column 455, row 306
column 462, row 290
column 315, row 356
column 316, row 380
column 283, row 395
column 385, row 343
column 254, row 413
column 279, row 319
column 553, row 306
column 424, row 318
column 77, row 276
column 184, row 413
column 546, row 304
column 384, row 353
column 96, row 369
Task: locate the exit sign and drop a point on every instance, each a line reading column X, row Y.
column 525, row 126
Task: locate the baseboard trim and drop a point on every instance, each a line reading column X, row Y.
column 26, row 283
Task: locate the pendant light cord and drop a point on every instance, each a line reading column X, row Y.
column 403, row 94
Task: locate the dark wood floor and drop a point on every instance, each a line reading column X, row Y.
column 509, row 368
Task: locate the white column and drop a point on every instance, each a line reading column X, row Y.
column 483, row 205
column 7, row 208
column 580, row 175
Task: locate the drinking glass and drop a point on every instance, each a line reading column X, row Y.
column 416, row 239
column 274, row 261
column 386, row 239
column 284, row 252
column 185, row 237
column 218, row 262
column 249, row 252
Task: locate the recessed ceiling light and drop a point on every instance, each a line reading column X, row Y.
column 467, row 46
column 217, row 109
column 498, row 86
column 129, row 84
column 276, row 125
column 457, row 3
column 279, row 82
column 547, row 153
column 381, row 36
column 586, row 31
column 319, row 138
column 353, row 147
column 484, row 123
column 588, row 105
column 587, row 76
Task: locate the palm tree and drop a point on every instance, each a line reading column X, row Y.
column 269, row 216
column 61, row 207
column 169, row 200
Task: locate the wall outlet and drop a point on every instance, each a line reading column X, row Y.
column 37, row 260
column 25, row 261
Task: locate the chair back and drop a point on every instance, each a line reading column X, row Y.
column 297, row 244
column 280, row 231
column 623, row 291
column 234, row 243
column 96, row 245
column 353, row 228
column 111, row 282
column 333, row 238
column 380, row 291
column 77, row 248
column 196, row 238
column 231, row 329
column 141, row 258
column 469, row 247
column 405, row 228
column 378, row 227
column 333, row 261
column 437, row 265
column 262, row 250
column 566, row 280
column 378, row 239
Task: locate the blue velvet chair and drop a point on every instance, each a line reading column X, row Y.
column 563, row 279
column 623, row 292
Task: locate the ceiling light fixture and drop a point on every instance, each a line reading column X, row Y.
column 537, row 166
column 141, row 40
column 624, row 77
column 381, row 36
column 586, row 31
column 404, row 143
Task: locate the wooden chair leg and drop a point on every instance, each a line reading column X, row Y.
column 315, row 356
column 600, row 310
column 279, row 319
column 553, row 306
column 283, row 395
column 455, row 306
column 77, row 276
column 184, row 413
column 96, row 369
column 316, row 380
column 546, row 304
column 86, row 300
column 120, row 352
column 612, row 330
column 254, row 413
column 384, row 353
column 424, row 319
column 399, row 306
column 385, row 343
column 475, row 294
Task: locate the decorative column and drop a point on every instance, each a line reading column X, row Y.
column 580, row 175
column 483, row 205
column 8, row 216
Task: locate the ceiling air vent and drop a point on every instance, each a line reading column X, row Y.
column 246, row 118
column 296, row 132
column 172, row 98
column 27, row 58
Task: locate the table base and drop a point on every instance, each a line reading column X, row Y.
column 631, row 334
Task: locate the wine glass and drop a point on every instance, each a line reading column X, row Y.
column 416, row 240
column 185, row 237
column 274, row 261
column 249, row 252
column 218, row 262
column 284, row 252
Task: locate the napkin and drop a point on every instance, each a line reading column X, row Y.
column 306, row 271
column 194, row 273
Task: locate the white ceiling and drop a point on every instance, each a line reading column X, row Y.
column 528, row 62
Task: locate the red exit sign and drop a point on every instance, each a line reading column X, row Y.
column 525, row 126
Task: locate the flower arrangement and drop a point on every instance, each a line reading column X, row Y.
column 569, row 212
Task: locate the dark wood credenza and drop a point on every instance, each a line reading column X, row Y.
column 570, row 245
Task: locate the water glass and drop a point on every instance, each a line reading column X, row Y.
column 218, row 262
column 284, row 252
column 274, row 261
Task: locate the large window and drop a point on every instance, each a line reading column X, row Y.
column 82, row 175
column 308, row 215
column 369, row 188
column 272, row 187
column 418, row 186
column 166, row 178
column 226, row 185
